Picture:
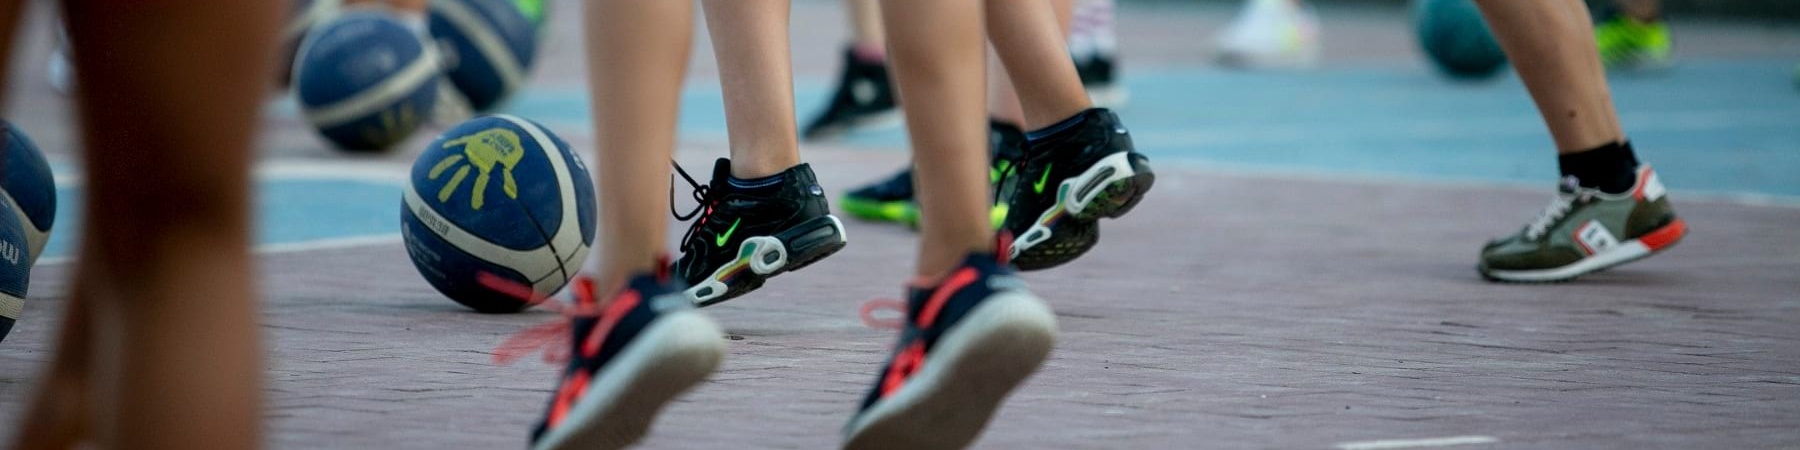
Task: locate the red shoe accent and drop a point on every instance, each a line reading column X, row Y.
column 1643, row 180
column 566, row 395
column 620, row 305
column 1003, row 248
column 905, row 363
column 958, row 280
column 1665, row 236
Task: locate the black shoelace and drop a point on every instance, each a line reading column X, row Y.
column 703, row 196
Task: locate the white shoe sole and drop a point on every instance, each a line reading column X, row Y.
column 675, row 353
column 1079, row 192
column 962, row 382
column 1625, row 252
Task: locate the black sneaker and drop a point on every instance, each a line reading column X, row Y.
column 965, row 344
column 892, row 199
column 1068, row 183
column 1099, row 75
column 864, row 98
column 740, row 240
column 626, row 361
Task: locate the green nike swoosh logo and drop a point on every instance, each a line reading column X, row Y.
column 1038, row 187
column 727, row 236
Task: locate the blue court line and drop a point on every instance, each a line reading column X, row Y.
column 289, row 211
column 1723, row 126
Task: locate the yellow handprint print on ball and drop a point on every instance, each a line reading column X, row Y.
column 482, row 150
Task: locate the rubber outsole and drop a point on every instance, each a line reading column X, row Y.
column 1072, row 237
column 947, row 403
column 621, row 404
column 1629, row 251
column 798, row 246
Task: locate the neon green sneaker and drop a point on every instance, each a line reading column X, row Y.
column 891, row 200
column 1584, row 231
column 1628, row 43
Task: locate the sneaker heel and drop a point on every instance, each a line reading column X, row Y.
column 812, row 240
column 1120, row 196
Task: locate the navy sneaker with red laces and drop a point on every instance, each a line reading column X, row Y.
column 966, row 342
column 629, row 357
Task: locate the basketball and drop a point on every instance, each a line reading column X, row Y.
column 301, row 17
column 535, row 10
column 1457, row 39
column 365, row 81
column 501, row 196
column 15, row 270
column 488, row 47
column 29, row 189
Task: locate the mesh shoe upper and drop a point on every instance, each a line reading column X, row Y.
column 598, row 335
column 1580, row 222
column 727, row 216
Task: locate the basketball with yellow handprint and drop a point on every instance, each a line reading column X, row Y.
column 484, row 151
column 498, row 198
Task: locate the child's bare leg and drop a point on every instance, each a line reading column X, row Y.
column 1029, row 40
column 1549, row 42
column 1003, row 99
column 635, row 70
column 170, row 295
column 941, row 65
column 750, row 42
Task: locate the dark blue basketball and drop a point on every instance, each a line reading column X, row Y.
column 15, row 270
column 503, row 196
column 1457, row 38
column 26, row 183
column 365, row 81
column 488, row 46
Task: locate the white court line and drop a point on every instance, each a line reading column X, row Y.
column 287, row 247
column 383, row 172
column 1416, row 443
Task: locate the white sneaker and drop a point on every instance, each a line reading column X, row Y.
column 1271, row 34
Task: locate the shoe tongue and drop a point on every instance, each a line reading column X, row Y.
column 721, row 175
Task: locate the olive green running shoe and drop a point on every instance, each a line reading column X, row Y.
column 1585, row 230
column 1629, row 43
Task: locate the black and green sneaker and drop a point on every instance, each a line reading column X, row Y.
column 1068, row 181
column 1628, row 43
column 892, row 199
column 740, row 239
column 1585, row 230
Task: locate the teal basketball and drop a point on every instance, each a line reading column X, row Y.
column 1457, row 39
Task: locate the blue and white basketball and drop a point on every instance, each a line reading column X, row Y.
column 15, row 270
column 29, row 190
column 365, row 81
column 503, row 196
column 302, row 15
column 488, row 47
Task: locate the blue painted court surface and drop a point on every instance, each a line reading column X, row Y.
column 1719, row 126
column 290, row 210
column 1722, row 127
column 1301, row 277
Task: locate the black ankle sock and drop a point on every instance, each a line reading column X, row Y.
column 1611, row 168
column 757, row 186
